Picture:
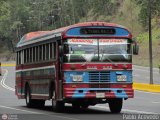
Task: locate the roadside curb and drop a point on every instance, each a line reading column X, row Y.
column 146, row 87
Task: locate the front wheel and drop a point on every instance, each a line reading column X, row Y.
column 115, row 105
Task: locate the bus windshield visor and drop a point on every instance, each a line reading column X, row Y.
column 97, row 50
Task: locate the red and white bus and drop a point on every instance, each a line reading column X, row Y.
column 83, row 64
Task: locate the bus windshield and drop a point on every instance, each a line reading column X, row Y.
column 97, row 50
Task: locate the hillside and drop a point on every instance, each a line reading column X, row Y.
column 143, row 40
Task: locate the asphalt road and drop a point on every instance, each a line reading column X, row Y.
column 142, row 74
column 142, row 103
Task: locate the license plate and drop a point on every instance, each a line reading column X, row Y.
column 100, row 95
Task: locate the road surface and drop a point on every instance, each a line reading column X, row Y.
column 143, row 103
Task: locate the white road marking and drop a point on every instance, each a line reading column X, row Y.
column 3, row 81
column 156, row 102
column 127, row 110
column 148, row 92
column 58, row 116
column 1, row 106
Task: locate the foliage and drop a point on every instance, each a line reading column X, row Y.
column 143, row 15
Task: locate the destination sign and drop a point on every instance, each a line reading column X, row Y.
column 109, row 31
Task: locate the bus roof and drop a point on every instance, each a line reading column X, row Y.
column 34, row 37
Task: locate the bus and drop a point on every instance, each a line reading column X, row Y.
column 82, row 64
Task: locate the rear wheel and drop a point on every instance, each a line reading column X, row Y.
column 29, row 101
column 58, row 106
column 32, row 102
column 115, row 105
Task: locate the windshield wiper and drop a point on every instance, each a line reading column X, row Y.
column 106, row 57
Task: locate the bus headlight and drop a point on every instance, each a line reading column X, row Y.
column 121, row 78
column 77, row 78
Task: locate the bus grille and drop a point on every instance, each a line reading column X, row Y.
column 99, row 77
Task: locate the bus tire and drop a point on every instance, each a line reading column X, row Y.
column 32, row 102
column 58, row 106
column 115, row 105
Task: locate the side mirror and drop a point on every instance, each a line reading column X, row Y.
column 135, row 49
column 60, row 50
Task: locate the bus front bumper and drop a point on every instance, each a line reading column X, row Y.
column 98, row 93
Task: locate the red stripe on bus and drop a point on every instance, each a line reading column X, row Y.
column 70, row 66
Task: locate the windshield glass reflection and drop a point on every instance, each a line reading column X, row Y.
column 93, row 50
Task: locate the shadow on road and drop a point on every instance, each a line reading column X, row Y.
column 71, row 110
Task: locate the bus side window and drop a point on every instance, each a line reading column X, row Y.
column 50, row 50
column 17, row 58
column 24, row 59
column 44, row 52
column 37, row 56
column 40, row 52
column 54, row 48
column 47, row 51
column 30, row 60
column 33, row 54
column 25, row 56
